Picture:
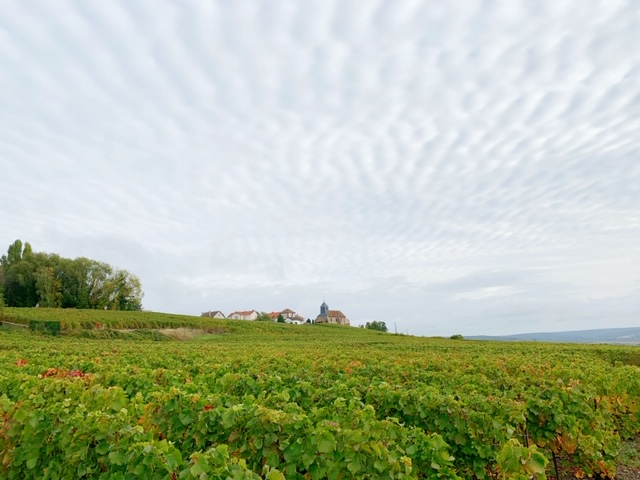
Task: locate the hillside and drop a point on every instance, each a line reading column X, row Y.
column 622, row 336
column 263, row 400
column 74, row 321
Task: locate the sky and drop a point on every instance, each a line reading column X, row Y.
column 465, row 167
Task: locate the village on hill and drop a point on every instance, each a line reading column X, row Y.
column 287, row 316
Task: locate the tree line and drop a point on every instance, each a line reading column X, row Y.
column 29, row 279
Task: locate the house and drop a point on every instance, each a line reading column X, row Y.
column 288, row 315
column 214, row 314
column 243, row 315
column 331, row 316
column 295, row 319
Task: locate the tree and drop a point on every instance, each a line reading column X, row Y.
column 18, row 275
column 457, row 336
column 264, row 317
column 14, row 254
column 48, row 287
column 280, row 319
column 125, row 291
column 376, row 325
column 28, row 278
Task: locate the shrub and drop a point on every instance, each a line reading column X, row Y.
column 51, row 327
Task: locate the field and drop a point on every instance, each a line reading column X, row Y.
column 266, row 400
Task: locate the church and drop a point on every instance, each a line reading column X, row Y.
column 331, row 316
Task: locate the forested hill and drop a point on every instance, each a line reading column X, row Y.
column 628, row 336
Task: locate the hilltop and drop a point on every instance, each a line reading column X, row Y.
column 102, row 323
column 622, row 336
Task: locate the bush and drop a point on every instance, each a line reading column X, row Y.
column 264, row 317
column 376, row 325
column 51, row 327
column 457, row 336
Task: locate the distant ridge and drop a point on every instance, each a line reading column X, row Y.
column 622, row 336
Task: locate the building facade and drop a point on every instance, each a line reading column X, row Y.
column 243, row 315
column 331, row 316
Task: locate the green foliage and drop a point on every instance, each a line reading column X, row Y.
column 376, row 325
column 140, row 334
column 264, row 317
column 48, row 287
column 280, row 319
column 457, row 336
column 29, row 278
column 267, row 401
column 521, row 463
column 50, row 327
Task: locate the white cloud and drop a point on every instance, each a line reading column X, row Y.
column 365, row 152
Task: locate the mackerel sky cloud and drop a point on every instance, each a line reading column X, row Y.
column 449, row 167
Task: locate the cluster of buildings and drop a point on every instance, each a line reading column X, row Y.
column 326, row 316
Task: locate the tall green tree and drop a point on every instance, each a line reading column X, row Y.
column 14, row 254
column 376, row 325
column 19, row 275
column 264, row 317
column 48, row 287
column 28, row 278
column 126, row 293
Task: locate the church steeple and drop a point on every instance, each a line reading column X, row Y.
column 324, row 309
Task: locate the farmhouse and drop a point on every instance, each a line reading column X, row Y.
column 243, row 315
column 331, row 316
column 213, row 314
column 295, row 319
column 289, row 316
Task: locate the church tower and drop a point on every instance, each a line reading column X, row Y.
column 324, row 310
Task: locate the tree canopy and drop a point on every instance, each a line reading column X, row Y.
column 376, row 325
column 264, row 317
column 28, row 279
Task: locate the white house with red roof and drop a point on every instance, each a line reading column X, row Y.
column 243, row 315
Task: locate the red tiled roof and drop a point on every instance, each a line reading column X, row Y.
column 336, row 313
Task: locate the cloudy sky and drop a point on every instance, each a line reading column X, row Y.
column 448, row 167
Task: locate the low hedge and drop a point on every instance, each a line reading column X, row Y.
column 51, row 327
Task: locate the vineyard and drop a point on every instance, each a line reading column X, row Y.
column 253, row 400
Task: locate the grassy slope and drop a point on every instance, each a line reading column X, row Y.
column 274, row 341
column 78, row 320
column 74, row 320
